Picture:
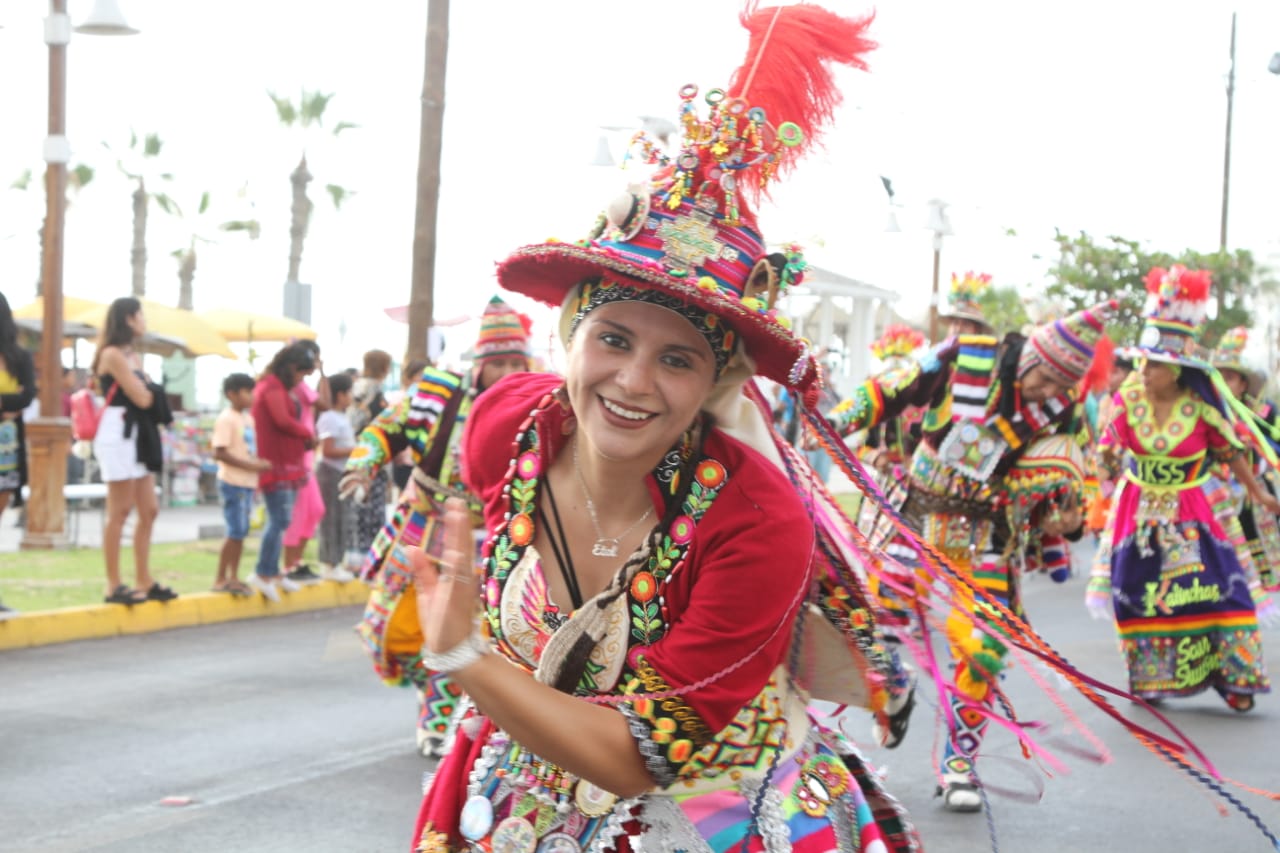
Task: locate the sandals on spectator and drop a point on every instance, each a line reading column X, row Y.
column 123, row 595
column 160, row 593
column 239, row 589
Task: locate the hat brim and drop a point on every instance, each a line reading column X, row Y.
column 1165, row 356
column 547, row 271
column 1254, row 380
column 966, row 315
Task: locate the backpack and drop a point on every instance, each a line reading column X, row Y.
column 85, row 413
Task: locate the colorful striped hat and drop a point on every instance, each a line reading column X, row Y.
column 1177, row 304
column 1066, row 346
column 688, row 236
column 503, row 332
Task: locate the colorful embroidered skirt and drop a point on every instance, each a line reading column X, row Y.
column 1185, row 616
column 821, row 798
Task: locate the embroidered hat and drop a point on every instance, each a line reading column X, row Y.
column 1177, row 303
column 503, row 332
column 690, row 232
column 1229, row 355
column 897, row 342
column 1066, row 346
column 962, row 300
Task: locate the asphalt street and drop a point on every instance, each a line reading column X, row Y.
column 283, row 740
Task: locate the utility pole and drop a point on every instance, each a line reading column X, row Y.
column 1226, row 154
column 431, row 132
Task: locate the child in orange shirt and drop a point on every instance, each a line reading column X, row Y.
column 235, row 448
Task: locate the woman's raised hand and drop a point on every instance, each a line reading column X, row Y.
column 448, row 586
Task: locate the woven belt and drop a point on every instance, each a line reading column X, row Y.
column 1168, row 472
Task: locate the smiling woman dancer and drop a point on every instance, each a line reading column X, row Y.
column 648, row 556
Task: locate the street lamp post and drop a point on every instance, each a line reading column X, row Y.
column 1226, row 154
column 941, row 227
column 49, row 436
column 1274, row 67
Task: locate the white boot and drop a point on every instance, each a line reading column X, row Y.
column 960, row 793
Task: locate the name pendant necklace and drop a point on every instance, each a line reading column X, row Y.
column 605, row 546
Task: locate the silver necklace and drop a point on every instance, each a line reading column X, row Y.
column 606, row 546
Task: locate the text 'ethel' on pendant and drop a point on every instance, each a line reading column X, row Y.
column 605, row 548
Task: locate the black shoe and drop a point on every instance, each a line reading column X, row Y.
column 6, row 612
column 303, row 574
column 160, row 593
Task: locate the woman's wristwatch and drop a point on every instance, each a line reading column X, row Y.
column 461, row 656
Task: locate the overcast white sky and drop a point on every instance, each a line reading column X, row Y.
column 1101, row 116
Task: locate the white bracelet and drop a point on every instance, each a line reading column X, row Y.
column 461, row 656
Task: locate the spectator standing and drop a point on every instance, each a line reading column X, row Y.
column 235, row 446
column 308, row 510
column 367, row 402
column 337, row 440
column 285, row 438
column 17, row 390
column 128, row 450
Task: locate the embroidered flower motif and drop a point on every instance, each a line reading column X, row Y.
column 521, row 530
column 528, row 466
column 680, row 751
column 643, row 586
column 682, row 529
column 709, row 474
column 492, row 592
column 663, row 730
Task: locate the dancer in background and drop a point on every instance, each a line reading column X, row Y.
column 886, row 449
column 367, row 402
column 427, row 423
column 1181, row 600
column 963, row 314
column 1260, row 527
column 986, row 401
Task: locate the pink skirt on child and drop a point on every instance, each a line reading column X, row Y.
column 308, row 512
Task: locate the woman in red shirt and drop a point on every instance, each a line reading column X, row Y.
column 285, row 435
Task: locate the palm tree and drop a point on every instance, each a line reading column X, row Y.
column 307, row 115
column 138, row 165
column 78, row 177
column 201, row 226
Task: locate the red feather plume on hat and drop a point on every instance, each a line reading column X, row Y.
column 1098, row 376
column 526, row 322
column 1178, row 282
column 787, row 71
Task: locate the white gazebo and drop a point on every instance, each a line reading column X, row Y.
column 844, row 315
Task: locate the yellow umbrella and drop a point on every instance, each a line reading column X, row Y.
column 236, row 325
column 167, row 328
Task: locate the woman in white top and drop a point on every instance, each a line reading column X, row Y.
column 130, row 483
